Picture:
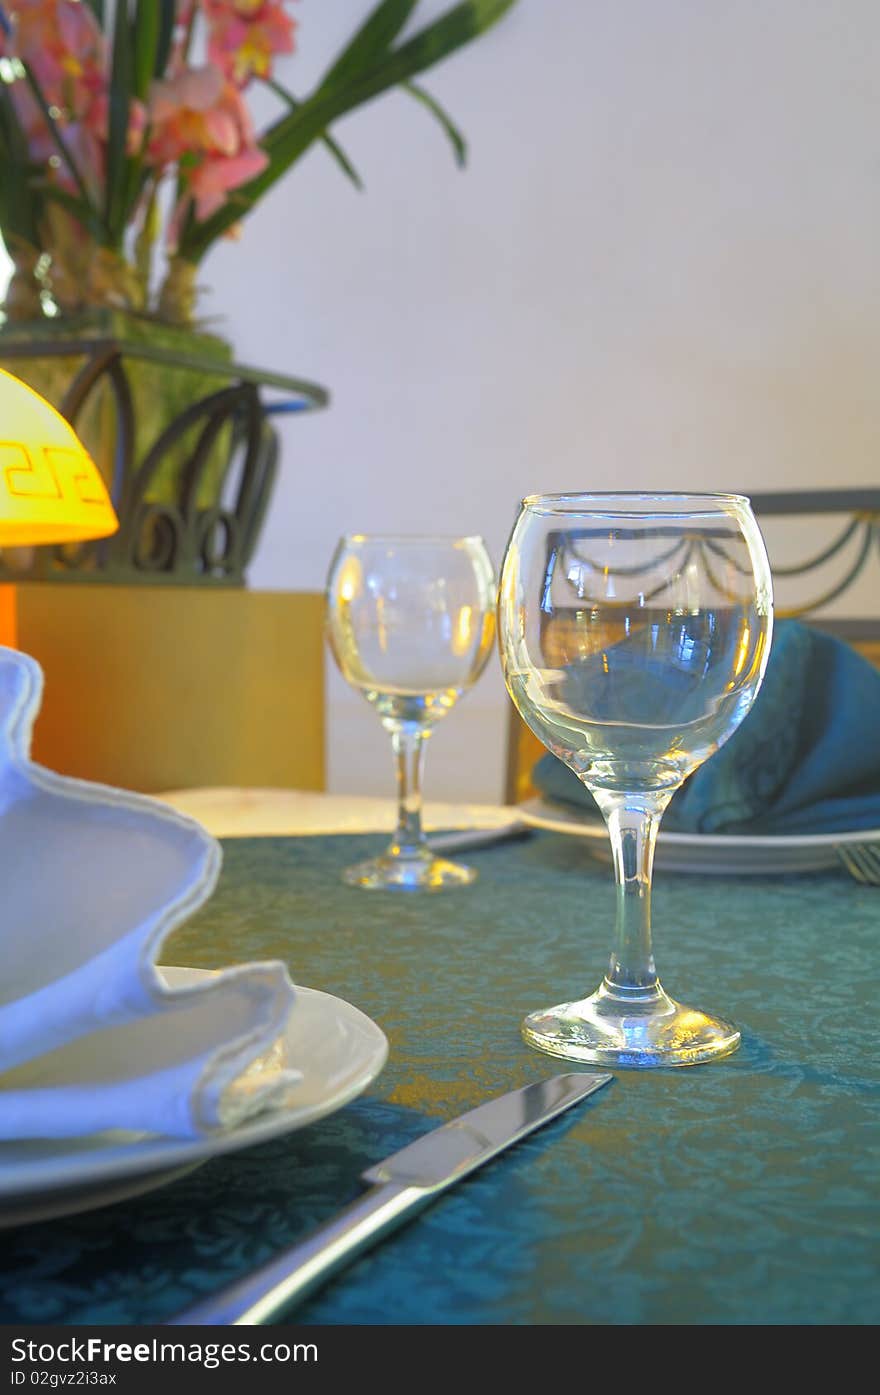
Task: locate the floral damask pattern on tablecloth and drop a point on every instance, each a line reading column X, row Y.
column 738, row 1192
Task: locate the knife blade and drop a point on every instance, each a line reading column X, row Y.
column 399, row 1186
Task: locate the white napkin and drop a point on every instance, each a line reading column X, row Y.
column 92, row 881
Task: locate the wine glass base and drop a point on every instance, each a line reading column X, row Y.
column 612, row 1031
column 389, row 873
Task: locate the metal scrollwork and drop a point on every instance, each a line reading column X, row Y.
column 227, row 451
column 846, row 555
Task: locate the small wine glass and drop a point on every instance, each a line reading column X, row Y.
column 411, row 624
column 634, row 632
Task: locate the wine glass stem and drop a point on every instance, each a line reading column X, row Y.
column 632, row 822
column 408, row 744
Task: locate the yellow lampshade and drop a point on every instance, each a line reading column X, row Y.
column 51, row 491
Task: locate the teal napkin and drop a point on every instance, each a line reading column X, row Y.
column 805, row 760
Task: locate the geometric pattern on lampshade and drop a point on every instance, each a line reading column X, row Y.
column 51, row 491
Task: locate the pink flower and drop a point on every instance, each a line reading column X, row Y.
column 62, row 44
column 215, row 176
column 200, row 122
column 245, row 35
column 197, row 110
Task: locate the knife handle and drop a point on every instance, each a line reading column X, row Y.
column 294, row 1273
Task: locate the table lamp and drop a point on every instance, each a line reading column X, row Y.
column 51, row 491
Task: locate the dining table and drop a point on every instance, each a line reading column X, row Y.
column 743, row 1191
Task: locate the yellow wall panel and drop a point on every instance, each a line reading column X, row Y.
column 170, row 687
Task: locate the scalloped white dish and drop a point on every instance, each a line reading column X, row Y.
column 715, row 854
column 336, row 1047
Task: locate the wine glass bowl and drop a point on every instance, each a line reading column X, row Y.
column 411, row 625
column 634, row 634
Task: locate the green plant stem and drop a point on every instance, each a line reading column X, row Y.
column 456, row 139
column 55, row 133
column 146, row 239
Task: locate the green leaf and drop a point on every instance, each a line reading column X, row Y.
column 459, row 145
column 74, row 206
column 137, row 175
column 332, row 145
column 342, row 159
column 375, row 37
column 291, row 136
column 55, row 133
column 427, row 47
column 121, row 85
column 19, row 205
column 97, row 8
column 147, row 27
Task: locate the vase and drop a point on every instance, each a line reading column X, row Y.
column 181, row 433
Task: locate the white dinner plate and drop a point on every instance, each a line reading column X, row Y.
column 260, row 813
column 732, row 854
column 338, row 1049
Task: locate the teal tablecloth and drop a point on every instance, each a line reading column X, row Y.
column 739, row 1192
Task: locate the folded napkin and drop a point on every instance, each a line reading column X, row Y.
column 91, row 1037
column 805, row 760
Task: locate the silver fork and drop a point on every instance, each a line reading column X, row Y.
column 862, row 861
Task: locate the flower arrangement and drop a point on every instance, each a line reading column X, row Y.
column 125, row 128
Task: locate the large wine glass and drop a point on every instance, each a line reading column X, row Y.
column 634, row 632
column 411, row 623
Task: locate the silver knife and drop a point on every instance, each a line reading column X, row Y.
column 399, row 1186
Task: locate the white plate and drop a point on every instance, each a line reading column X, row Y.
column 338, row 1049
column 259, row 813
column 715, row 853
